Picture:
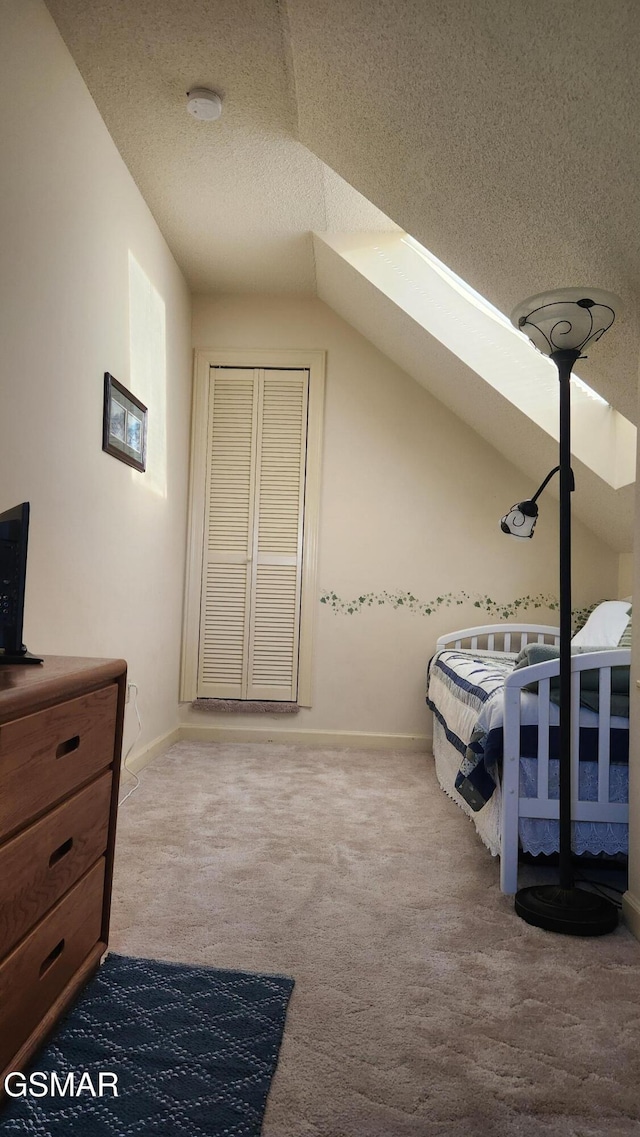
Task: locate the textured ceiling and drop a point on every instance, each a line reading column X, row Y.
column 502, row 134
column 236, row 199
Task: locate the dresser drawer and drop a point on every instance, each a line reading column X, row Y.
column 41, row 863
column 39, row 968
column 45, row 756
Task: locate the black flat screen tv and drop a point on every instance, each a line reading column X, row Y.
column 14, row 531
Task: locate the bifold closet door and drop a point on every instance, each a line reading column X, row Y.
column 252, row 569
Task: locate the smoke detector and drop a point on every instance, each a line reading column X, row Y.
column 203, row 104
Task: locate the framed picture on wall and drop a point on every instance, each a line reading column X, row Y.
column 124, row 424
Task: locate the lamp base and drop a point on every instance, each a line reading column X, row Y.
column 571, row 911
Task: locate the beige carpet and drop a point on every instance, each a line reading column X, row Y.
column 422, row 1005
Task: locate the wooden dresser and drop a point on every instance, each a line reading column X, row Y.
column 60, row 745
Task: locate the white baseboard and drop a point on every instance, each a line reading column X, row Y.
column 142, row 758
column 328, row 739
column 631, row 913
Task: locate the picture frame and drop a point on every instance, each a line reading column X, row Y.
column 124, row 424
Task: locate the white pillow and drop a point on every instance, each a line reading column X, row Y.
column 605, row 625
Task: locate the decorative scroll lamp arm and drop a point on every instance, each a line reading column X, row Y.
column 548, row 478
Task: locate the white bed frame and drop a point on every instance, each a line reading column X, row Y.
column 512, row 637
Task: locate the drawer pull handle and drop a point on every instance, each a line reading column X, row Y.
column 67, row 747
column 60, row 852
column 51, row 958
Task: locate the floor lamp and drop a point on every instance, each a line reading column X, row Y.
column 561, row 324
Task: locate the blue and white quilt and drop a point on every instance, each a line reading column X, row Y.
column 465, row 692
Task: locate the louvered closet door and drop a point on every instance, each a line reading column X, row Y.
column 228, row 533
column 278, row 520
column 252, row 570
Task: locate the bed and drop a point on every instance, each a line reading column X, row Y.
column 495, row 741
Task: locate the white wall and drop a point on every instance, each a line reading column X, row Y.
column 106, row 544
column 411, row 499
column 625, row 575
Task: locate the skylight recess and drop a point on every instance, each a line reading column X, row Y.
column 486, row 306
column 474, row 330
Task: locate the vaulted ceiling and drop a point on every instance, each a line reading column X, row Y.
column 502, row 134
column 236, row 199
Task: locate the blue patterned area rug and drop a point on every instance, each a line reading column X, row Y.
column 193, row 1050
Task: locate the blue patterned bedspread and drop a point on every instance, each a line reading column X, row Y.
column 465, row 693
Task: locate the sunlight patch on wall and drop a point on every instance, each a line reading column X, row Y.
column 148, row 371
column 486, row 341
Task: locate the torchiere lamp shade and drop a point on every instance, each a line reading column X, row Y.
column 566, row 319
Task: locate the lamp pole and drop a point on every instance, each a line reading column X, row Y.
column 560, row 324
column 564, row 361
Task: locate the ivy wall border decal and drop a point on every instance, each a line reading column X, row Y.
column 502, row 610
